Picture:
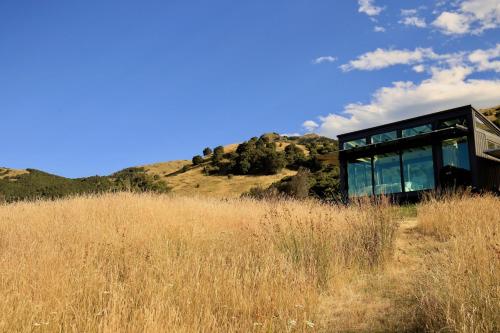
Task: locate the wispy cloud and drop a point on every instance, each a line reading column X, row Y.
column 323, row 59
column 409, row 12
column 452, row 23
column 405, row 99
column 414, row 21
column 381, row 58
column 369, row 8
column 310, row 125
column 448, row 84
column 486, row 60
column 378, row 29
column 419, row 68
column 410, row 18
column 469, row 17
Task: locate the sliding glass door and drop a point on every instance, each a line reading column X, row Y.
column 456, row 166
column 418, row 169
column 359, row 177
column 387, row 172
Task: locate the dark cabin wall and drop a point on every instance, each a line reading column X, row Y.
column 489, row 175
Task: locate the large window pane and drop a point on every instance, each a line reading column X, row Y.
column 359, row 177
column 416, row 130
column 418, row 169
column 387, row 173
column 388, row 136
column 456, row 153
column 354, row 143
column 456, row 167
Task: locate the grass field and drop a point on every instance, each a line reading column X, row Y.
column 132, row 263
column 460, row 287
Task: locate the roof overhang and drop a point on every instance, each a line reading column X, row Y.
column 493, row 152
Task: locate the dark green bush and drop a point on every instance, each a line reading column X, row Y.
column 207, row 151
column 197, row 160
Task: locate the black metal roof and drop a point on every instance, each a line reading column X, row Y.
column 405, row 122
column 444, row 132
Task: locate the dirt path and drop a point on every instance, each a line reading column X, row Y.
column 380, row 301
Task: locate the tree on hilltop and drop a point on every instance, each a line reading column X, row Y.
column 207, row 151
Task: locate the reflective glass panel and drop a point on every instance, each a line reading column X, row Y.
column 359, row 177
column 387, row 173
column 355, row 143
column 416, row 130
column 418, row 169
column 456, row 169
column 456, row 153
column 377, row 138
column 453, row 122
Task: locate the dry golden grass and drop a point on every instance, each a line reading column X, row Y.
column 165, row 168
column 459, row 291
column 195, row 182
column 491, row 112
column 134, row 263
column 7, row 172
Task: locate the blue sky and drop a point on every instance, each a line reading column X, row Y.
column 90, row 87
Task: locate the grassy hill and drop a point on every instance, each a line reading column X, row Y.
column 7, row 172
column 493, row 114
column 193, row 180
column 185, row 178
column 206, row 178
column 32, row 184
column 180, row 177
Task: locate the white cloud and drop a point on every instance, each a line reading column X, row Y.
column 324, row 59
column 310, row 125
column 409, row 12
column 381, row 58
column 291, row 134
column 419, row 68
column 446, row 88
column 470, row 16
column 378, row 29
column 414, row 21
column 369, row 8
column 452, row 23
column 486, row 60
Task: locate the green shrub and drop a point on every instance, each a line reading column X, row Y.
column 207, row 151
column 197, row 160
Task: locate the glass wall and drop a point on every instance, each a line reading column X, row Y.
column 388, row 136
column 359, row 177
column 416, row 130
column 387, row 173
column 354, row 143
column 456, row 168
column 456, row 153
column 418, row 169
